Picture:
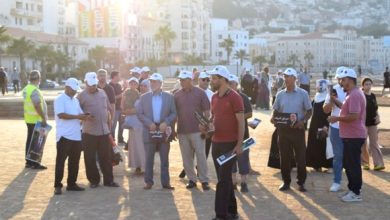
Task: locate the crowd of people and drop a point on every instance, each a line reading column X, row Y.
column 343, row 113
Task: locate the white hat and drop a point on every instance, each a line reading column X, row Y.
column 145, row 69
column 203, row 75
column 185, row 75
column 136, row 70
column 221, row 71
column 290, row 72
column 134, row 80
column 339, row 72
column 156, row 76
column 73, row 83
column 348, row 73
column 233, row 78
column 91, row 78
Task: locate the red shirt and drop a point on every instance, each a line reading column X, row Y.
column 224, row 110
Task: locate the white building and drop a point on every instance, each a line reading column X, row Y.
column 373, row 53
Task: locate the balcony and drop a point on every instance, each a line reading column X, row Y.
column 24, row 13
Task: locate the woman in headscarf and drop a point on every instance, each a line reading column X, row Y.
column 263, row 90
column 316, row 146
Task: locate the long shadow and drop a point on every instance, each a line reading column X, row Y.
column 12, row 199
column 203, row 202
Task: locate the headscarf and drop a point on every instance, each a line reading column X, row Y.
column 146, row 83
column 322, row 90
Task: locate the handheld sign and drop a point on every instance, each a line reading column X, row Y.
column 248, row 143
column 37, row 143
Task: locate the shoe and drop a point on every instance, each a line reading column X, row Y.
column 191, row 184
column 302, row 188
column 147, row 186
column 335, row 187
column 112, row 184
column 341, row 195
column 38, row 167
column 205, row 186
column 182, row 174
column 244, row 188
column 94, row 185
column 284, row 187
column 379, row 168
column 57, row 191
column 169, row 187
column 74, row 188
column 352, row 197
column 27, row 165
column 232, row 216
column 366, row 167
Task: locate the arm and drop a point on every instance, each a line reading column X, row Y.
column 348, row 118
column 141, row 113
column 241, row 128
column 39, row 110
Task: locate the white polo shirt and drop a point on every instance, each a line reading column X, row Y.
column 341, row 95
column 69, row 129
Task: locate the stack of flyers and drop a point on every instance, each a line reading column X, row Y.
column 248, row 143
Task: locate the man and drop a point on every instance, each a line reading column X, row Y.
column 114, row 83
column 135, row 72
column 304, row 80
column 386, row 80
column 195, row 76
column 242, row 159
column 189, row 100
column 145, row 71
column 292, row 100
column 15, row 80
column 227, row 118
column 35, row 110
column 353, row 133
column 102, row 77
column 156, row 110
column 95, row 140
column 333, row 102
column 68, row 114
column 3, row 80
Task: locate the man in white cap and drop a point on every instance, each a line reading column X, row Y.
column 188, row 100
column 68, row 114
column 333, row 102
column 292, row 100
column 227, row 109
column 94, row 102
column 353, row 133
column 145, row 71
column 156, row 111
column 135, row 72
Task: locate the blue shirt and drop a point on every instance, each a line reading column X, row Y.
column 156, row 106
column 297, row 101
column 304, row 78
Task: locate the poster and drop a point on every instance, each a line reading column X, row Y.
column 248, row 143
column 37, row 143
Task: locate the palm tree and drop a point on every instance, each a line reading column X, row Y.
column 260, row 60
column 44, row 54
column 22, row 48
column 85, row 66
column 59, row 59
column 293, row 59
column 192, row 60
column 308, row 58
column 227, row 44
column 241, row 55
column 4, row 38
column 165, row 35
column 98, row 54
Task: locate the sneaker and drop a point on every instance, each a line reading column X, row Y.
column 341, row 195
column 335, row 187
column 244, row 188
column 57, row 191
column 352, row 197
column 38, row 167
column 379, row 168
column 74, row 188
column 366, row 167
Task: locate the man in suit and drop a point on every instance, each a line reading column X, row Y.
column 156, row 111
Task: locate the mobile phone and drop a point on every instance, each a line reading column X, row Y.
column 254, row 123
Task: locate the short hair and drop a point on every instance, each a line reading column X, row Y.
column 365, row 80
column 114, row 74
column 34, row 75
column 102, row 71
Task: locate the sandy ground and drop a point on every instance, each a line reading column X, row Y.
column 28, row 194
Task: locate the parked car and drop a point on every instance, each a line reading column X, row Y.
column 48, row 84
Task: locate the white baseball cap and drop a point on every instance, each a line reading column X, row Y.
column 134, row 80
column 73, row 83
column 145, row 69
column 339, row 72
column 233, row 78
column 91, row 78
column 221, row 71
column 185, row 75
column 136, row 70
column 348, row 73
column 156, row 76
column 203, row 75
column 290, row 72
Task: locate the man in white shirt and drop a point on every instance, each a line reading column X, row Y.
column 68, row 135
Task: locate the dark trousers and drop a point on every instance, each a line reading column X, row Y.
column 30, row 130
column 225, row 200
column 16, row 85
column 352, row 163
column 305, row 87
column 3, row 88
column 290, row 141
column 67, row 149
column 100, row 145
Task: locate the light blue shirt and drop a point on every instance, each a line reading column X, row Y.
column 156, row 106
column 297, row 101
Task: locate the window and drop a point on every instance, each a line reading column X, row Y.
column 39, row 7
column 27, row 6
column 19, row 5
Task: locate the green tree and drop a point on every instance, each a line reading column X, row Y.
column 308, row 58
column 4, row 38
column 99, row 54
column 84, row 67
column 241, row 55
column 165, row 35
column 293, row 59
column 190, row 59
column 259, row 60
column 22, row 48
column 43, row 54
column 227, row 44
column 61, row 60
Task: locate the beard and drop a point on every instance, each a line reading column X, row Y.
column 214, row 87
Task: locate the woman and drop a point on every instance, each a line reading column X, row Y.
column 372, row 121
column 316, row 146
column 263, row 90
column 144, row 87
column 135, row 142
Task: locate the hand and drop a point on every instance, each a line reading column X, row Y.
column 202, row 128
column 152, row 127
column 44, row 123
column 163, row 127
column 332, row 119
column 237, row 149
column 299, row 125
column 333, row 98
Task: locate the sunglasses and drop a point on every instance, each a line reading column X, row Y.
column 206, row 80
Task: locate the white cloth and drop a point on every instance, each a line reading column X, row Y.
column 69, row 129
column 209, row 94
column 322, row 90
column 341, row 95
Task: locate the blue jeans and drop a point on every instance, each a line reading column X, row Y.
column 115, row 121
column 338, row 151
